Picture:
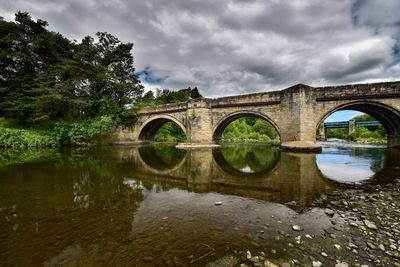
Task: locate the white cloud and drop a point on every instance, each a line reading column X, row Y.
column 231, row 47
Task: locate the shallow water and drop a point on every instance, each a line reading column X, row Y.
column 155, row 205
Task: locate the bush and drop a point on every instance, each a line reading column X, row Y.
column 83, row 131
column 10, row 137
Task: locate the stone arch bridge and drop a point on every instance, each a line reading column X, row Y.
column 296, row 112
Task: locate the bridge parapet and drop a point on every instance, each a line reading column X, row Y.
column 358, row 91
column 257, row 99
column 167, row 108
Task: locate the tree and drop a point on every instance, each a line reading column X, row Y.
column 28, row 53
column 166, row 96
column 44, row 76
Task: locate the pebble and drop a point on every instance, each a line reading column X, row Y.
column 267, row 263
column 337, row 246
column 316, row 264
column 218, row 203
column 370, row 225
column 248, row 255
column 324, row 254
column 371, row 246
column 341, row 264
column 296, row 227
column 353, row 224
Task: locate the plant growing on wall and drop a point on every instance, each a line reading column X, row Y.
column 193, row 116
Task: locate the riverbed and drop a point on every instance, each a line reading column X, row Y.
column 156, row 205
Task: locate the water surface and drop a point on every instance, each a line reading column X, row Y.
column 155, row 205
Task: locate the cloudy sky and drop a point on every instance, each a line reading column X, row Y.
column 233, row 47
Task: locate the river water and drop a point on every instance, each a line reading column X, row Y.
column 156, row 205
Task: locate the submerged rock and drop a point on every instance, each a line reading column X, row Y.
column 329, row 212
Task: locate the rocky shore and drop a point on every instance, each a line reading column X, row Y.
column 365, row 231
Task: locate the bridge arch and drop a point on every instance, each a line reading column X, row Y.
column 150, row 127
column 387, row 115
column 220, row 126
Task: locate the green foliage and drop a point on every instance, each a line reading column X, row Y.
column 361, row 134
column 45, row 77
column 340, row 133
column 363, row 117
column 10, row 137
column 128, row 117
column 83, row 131
column 251, row 130
column 170, row 132
column 167, row 96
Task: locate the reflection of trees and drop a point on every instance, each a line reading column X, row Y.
column 161, row 157
column 78, row 196
column 17, row 156
column 257, row 159
column 375, row 156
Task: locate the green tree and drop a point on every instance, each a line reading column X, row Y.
column 166, row 96
column 44, row 76
column 28, row 53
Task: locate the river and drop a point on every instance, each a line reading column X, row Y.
column 156, row 205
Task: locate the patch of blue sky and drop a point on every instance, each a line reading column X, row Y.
column 343, row 115
column 148, row 76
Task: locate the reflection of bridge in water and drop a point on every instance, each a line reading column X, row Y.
column 284, row 177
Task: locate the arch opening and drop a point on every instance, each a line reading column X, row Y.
column 374, row 122
column 241, row 127
column 163, row 129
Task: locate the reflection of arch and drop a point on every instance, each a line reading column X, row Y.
column 153, row 161
column 224, row 165
column 388, row 116
column 152, row 125
column 226, row 120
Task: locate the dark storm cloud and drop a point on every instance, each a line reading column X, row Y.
column 230, row 47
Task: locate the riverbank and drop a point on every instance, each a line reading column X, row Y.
column 365, row 231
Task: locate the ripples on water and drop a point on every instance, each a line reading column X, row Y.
column 155, row 205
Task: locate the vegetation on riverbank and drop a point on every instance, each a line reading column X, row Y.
column 361, row 134
column 63, row 133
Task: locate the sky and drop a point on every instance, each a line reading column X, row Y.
column 229, row 47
